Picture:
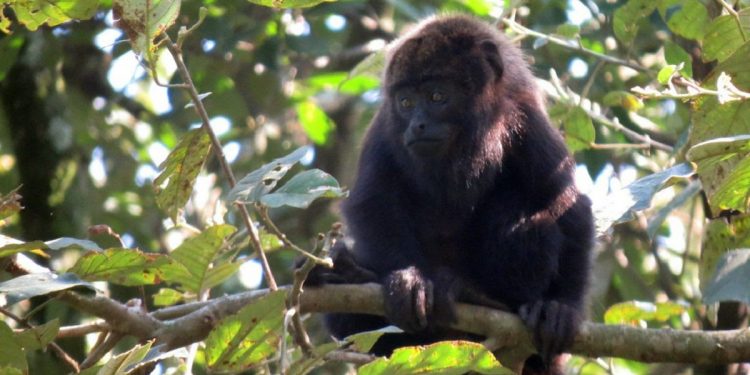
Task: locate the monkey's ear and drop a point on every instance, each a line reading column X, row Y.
column 492, row 56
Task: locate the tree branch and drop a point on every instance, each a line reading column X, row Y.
column 506, row 329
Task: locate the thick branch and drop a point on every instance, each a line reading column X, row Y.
column 192, row 323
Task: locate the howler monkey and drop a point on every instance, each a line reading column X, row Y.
column 464, row 185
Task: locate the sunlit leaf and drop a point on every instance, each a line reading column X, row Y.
column 193, row 268
column 120, row 266
column 262, row 180
column 621, row 205
column 719, row 238
column 11, row 352
column 39, row 337
column 655, row 221
column 633, row 312
column 156, row 353
column 622, row 99
column 35, row 13
column 364, row 341
column 175, row 183
column 666, row 73
column 373, row 65
column 446, row 358
column 724, row 169
column 120, row 363
column 168, row 297
column 568, row 30
column 627, row 18
column 289, row 4
column 687, row 18
column 248, row 337
column 39, row 284
column 302, row 189
column 144, row 20
column 724, row 36
column 730, row 279
column 578, row 130
column 308, row 363
column 315, row 121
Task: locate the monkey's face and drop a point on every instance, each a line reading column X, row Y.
column 429, row 116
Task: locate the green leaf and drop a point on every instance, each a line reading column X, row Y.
column 16, row 246
column 568, row 30
column 621, row 205
column 39, row 337
column 35, row 13
column 676, row 55
column 372, row 65
column 289, row 4
column 628, row 18
column 655, row 221
column 579, row 130
column 724, row 37
column 122, row 362
column 144, row 20
column 120, row 266
column 315, row 121
column 11, row 353
column 364, row 341
column 724, row 170
column 168, row 297
column 731, row 279
column 39, row 284
column 690, row 20
column 302, row 189
column 622, row 99
column 248, row 337
column 308, row 363
column 633, row 312
column 666, row 73
column 262, row 180
column 67, row 242
column 719, row 238
column 155, row 354
column 445, row 358
column 175, row 183
column 193, row 267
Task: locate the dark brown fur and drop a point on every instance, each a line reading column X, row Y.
column 491, row 207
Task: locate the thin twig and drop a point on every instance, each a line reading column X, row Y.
column 560, row 93
column 271, row 226
column 82, row 330
column 174, row 50
column 523, row 31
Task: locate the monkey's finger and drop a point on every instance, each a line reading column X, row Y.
column 531, row 314
column 552, row 330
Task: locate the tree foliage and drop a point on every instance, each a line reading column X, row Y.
column 124, row 122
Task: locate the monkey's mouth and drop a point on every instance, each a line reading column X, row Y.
column 417, row 141
column 426, row 147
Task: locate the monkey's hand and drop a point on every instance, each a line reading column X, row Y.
column 411, row 301
column 554, row 324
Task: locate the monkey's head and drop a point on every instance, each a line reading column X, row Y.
column 446, row 84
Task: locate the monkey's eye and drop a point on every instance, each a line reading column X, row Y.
column 437, row 96
column 406, row 102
